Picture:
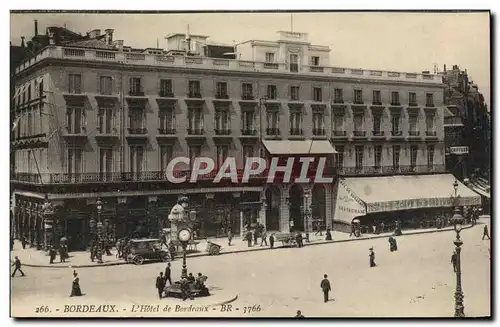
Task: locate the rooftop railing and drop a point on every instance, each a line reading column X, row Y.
column 93, row 55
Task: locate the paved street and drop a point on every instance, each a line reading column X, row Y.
column 416, row 281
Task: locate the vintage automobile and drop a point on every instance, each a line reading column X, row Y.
column 146, row 249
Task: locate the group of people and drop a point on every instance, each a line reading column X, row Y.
column 187, row 283
column 252, row 234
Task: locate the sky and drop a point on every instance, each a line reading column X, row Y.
column 406, row 42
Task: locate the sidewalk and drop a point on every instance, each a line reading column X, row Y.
column 30, row 257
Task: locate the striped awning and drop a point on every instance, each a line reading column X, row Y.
column 288, row 147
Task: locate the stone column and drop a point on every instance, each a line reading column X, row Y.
column 284, row 210
column 30, row 225
column 121, row 214
column 328, row 204
column 241, row 222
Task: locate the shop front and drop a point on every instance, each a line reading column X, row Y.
column 416, row 200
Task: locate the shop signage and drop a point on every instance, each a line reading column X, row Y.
column 459, row 149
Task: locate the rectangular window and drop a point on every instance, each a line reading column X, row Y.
column 430, row 156
column 338, row 123
column 195, row 116
column 222, row 153
column 412, row 99
column 166, row 88
column 40, row 89
column 75, row 118
column 136, row 159
column 75, row 83
column 221, row 92
column 30, row 124
column 395, row 98
column 269, row 57
column 377, row 99
column 295, row 122
column 272, row 119
column 314, row 61
column 105, row 121
column 194, row 152
column 294, row 63
column 413, row 156
column 135, row 86
column 248, row 120
column 248, row 152
column 318, row 123
column 105, row 85
column 378, row 156
column 167, row 120
column 340, row 156
column 272, row 92
column 412, row 121
column 136, row 119
column 396, row 149
column 338, row 96
column 429, row 123
column 395, row 125
column 359, row 153
column 376, row 123
column 247, row 91
column 317, row 94
column 75, row 162
column 194, row 89
column 294, row 93
column 29, row 92
column 105, row 160
column 429, row 100
column 166, row 155
column 222, row 120
column 358, row 96
column 358, row 123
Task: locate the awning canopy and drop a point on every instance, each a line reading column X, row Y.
column 289, row 147
column 393, row 193
column 480, row 190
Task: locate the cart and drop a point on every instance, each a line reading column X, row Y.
column 212, row 248
column 146, row 249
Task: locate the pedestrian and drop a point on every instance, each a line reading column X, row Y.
column 264, row 238
column 191, row 278
column 118, row 249
column 353, row 230
column 52, row 254
column 454, row 261
column 160, row 284
column 185, row 289
column 163, row 239
column 17, row 264
column 485, row 232
column 372, row 258
column 393, row 245
column 75, row 286
column 171, row 249
column 61, row 254
column 168, row 274
column 23, row 241
column 298, row 239
column 328, row 235
column 325, row 286
column 249, row 239
column 271, row 241
column 229, row 236
column 255, row 235
column 299, row 314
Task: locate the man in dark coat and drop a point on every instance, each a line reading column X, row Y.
column 17, row 264
column 485, row 232
column 23, row 242
column 249, row 238
column 454, row 261
column 271, row 241
column 160, row 284
column 52, row 254
column 325, row 286
column 168, row 274
column 372, row 258
column 263, row 237
column 393, row 245
column 298, row 239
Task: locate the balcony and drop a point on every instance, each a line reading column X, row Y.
column 222, row 131
column 194, row 95
column 339, row 135
column 319, row 132
column 412, row 104
column 196, row 131
column 247, row 97
column 222, row 97
column 166, row 94
column 376, row 103
column 136, row 93
column 395, row 104
column 106, row 134
column 338, row 101
column 137, row 132
column 413, row 133
column 294, row 68
column 397, row 134
column 378, row 134
column 429, row 105
column 359, row 134
column 248, row 132
column 296, row 131
column 273, row 131
column 75, row 134
column 102, row 58
column 166, row 132
column 431, row 133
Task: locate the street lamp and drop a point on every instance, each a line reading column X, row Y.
column 99, row 230
column 307, row 195
column 457, row 221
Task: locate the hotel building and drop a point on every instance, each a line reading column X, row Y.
column 97, row 119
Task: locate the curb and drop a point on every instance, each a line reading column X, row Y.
column 202, row 254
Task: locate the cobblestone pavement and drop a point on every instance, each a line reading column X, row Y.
column 31, row 256
column 416, row 281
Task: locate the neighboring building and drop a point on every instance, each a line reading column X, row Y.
column 116, row 116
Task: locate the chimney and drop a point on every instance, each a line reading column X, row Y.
column 94, row 34
column 22, row 41
column 36, row 27
column 118, row 44
column 445, row 68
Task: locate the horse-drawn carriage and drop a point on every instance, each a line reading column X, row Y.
column 145, row 249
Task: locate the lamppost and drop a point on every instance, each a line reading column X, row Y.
column 457, row 220
column 99, row 230
column 48, row 221
column 307, row 213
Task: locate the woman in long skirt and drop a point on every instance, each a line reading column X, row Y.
column 75, row 287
